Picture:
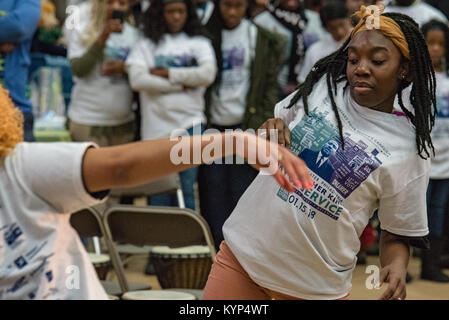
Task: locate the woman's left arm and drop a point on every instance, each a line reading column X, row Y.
column 394, row 257
column 200, row 76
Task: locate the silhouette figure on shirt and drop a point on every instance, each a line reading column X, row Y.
column 318, row 161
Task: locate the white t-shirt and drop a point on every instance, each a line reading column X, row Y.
column 421, row 12
column 314, row 32
column 317, row 51
column 238, row 50
column 41, row 255
column 172, row 108
column 440, row 132
column 99, row 100
column 304, row 244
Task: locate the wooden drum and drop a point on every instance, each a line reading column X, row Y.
column 186, row 267
column 157, row 295
column 102, row 264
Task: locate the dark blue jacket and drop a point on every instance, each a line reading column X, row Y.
column 18, row 22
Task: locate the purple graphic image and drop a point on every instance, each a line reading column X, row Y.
column 443, row 106
column 353, row 166
column 233, row 58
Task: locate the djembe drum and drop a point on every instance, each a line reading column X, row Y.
column 157, row 295
column 102, row 264
column 186, row 267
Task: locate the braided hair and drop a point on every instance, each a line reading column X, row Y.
column 422, row 95
column 438, row 25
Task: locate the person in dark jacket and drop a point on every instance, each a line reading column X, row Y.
column 242, row 97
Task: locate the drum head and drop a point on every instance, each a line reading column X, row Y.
column 158, row 295
column 200, row 250
column 98, row 258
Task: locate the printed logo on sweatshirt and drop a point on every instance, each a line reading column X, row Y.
column 12, row 236
column 443, row 106
column 441, row 128
column 336, row 173
column 234, row 72
column 175, row 61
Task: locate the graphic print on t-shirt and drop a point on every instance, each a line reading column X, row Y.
column 114, row 53
column 16, row 256
column 233, row 66
column 336, row 173
column 175, row 61
column 441, row 128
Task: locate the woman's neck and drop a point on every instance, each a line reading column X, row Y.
column 438, row 67
column 386, row 106
column 234, row 27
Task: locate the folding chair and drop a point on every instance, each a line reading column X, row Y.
column 155, row 226
column 169, row 184
column 89, row 224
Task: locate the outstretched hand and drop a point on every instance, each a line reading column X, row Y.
column 395, row 276
column 269, row 157
column 282, row 130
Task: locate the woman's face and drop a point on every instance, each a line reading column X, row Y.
column 374, row 70
column 120, row 5
column 339, row 28
column 232, row 12
column 437, row 46
column 175, row 15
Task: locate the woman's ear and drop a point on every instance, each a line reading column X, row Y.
column 404, row 72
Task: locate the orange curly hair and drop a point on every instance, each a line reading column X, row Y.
column 11, row 124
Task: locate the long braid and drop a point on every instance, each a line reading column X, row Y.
column 422, row 96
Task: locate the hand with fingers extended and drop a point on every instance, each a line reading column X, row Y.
column 268, row 157
column 394, row 275
column 279, row 127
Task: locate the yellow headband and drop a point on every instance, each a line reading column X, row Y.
column 387, row 27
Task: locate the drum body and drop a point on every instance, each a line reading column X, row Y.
column 157, row 295
column 186, row 267
column 102, row 264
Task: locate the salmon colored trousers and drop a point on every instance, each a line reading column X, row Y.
column 228, row 281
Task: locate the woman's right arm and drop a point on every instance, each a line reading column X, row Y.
column 141, row 79
column 141, row 162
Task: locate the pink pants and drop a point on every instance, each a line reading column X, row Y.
column 228, row 281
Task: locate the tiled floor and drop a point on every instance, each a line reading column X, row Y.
column 416, row 290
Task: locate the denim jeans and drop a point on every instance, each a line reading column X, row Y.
column 28, row 122
column 220, row 188
column 437, row 196
column 188, row 179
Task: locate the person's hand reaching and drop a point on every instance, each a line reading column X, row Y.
column 395, row 275
column 113, row 68
column 269, row 157
column 283, row 133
